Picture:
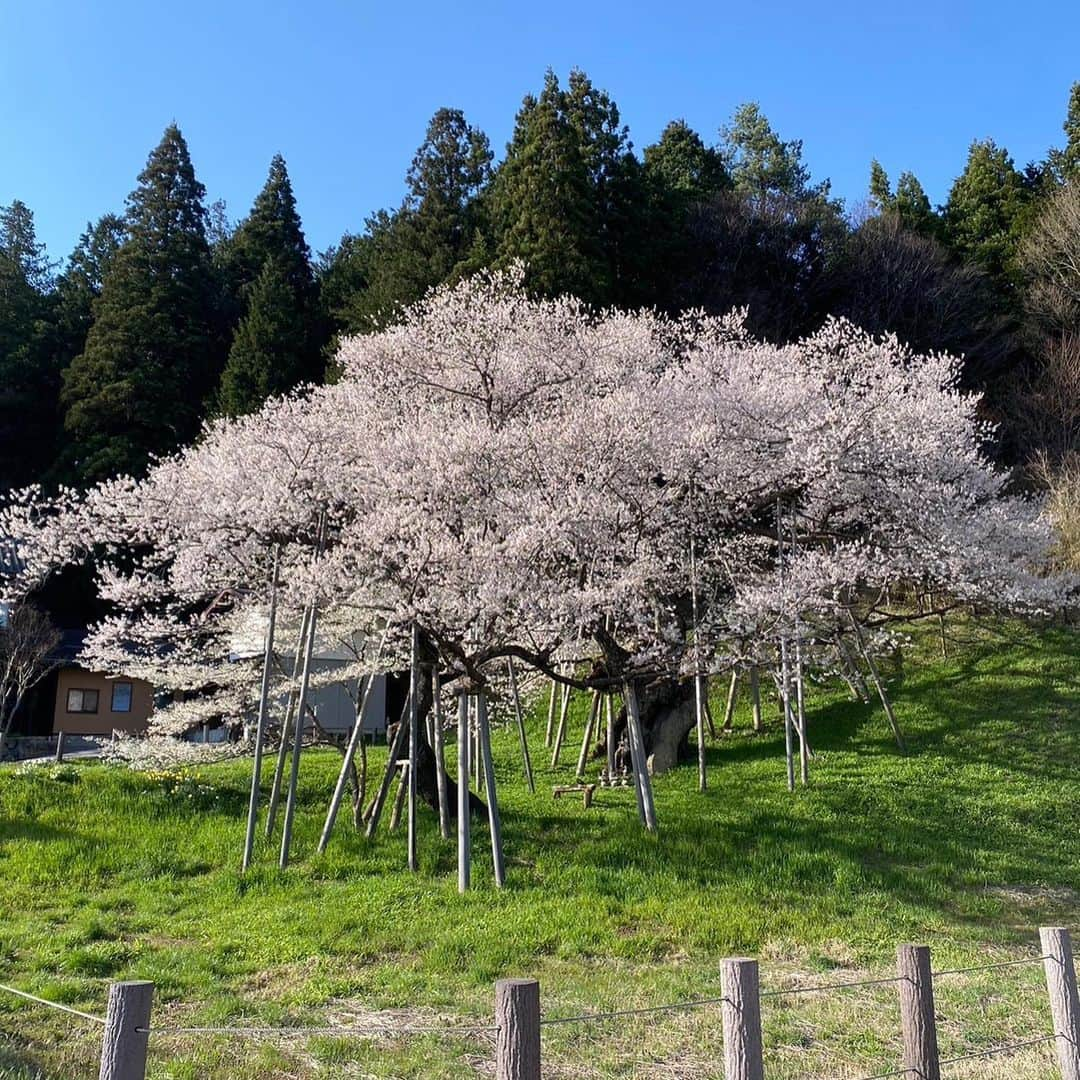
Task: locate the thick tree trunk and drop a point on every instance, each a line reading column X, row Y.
column 427, row 785
column 667, row 718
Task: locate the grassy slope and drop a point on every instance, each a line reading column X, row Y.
column 967, row 843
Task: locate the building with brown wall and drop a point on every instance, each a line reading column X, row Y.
column 91, row 704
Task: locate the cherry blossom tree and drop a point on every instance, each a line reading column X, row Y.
column 619, row 502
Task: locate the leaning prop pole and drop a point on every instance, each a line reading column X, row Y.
column 440, row 752
column 586, row 741
column 260, row 727
column 897, row 734
column 494, row 822
column 638, row 760
column 350, row 752
column 729, row 708
column 522, row 736
column 610, row 736
column 286, row 727
column 298, row 741
column 376, row 809
column 560, row 733
column 755, row 696
column 549, row 729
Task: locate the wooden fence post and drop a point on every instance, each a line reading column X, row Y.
column 741, row 1016
column 917, row 1012
column 517, row 1038
column 123, row 1047
column 1064, row 1002
column 60, row 748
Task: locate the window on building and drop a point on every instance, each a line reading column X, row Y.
column 121, row 697
column 82, row 701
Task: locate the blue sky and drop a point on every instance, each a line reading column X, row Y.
column 344, row 90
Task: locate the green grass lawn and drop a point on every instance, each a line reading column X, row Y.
column 968, row 843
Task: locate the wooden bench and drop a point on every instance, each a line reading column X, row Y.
column 567, row 789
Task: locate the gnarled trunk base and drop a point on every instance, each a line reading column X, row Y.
column 667, row 718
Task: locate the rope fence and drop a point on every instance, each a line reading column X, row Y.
column 355, row 1032
column 676, row 1006
column 518, row 1021
column 52, row 1004
column 999, row 1050
column 991, row 967
column 828, row 986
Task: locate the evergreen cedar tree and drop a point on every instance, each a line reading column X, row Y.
column 985, row 215
column 29, row 374
column 153, row 352
column 554, row 469
column 439, row 233
column 270, row 288
column 166, row 315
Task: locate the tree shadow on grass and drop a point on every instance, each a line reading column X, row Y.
column 25, row 829
column 979, row 812
column 17, row 1063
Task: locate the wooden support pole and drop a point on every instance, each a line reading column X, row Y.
column 60, row 748
column 897, row 735
column 463, row 853
column 414, row 740
column 440, row 753
column 127, row 1019
column 260, row 725
column 785, row 707
column 919, row 1028
column 399, row 799
column 298, row 741
column 800, row 714
column 729, row 708
column 388, row 776
column 708, row 707
column 852, row 675
column 548, row 731
column 350, row 753
column 586, row 741
column 755, row 696
column 494, row 823
column 286, row 728
column 740, row 1015
column 610, row 711
column 523, row 737
column 638, row 758
column 1064, row 1001
column 475, row 756
column 699, row 721
column 517, row 1024
column 560, row 733
column 638, row 789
